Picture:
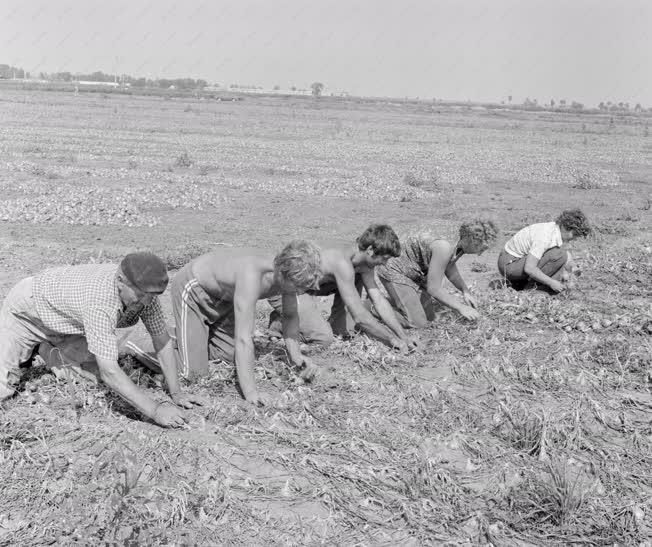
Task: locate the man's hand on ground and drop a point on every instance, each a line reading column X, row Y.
column 187, row 400
column 556, row 286
column 470, row 300
column 469, row 313
column 412, row 342
column 259, row 399
column 169, row 416
column 400, row 345
column 309, row 371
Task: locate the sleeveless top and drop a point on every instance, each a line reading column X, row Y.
column 411, row 267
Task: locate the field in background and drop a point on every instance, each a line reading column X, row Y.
column 531, row 427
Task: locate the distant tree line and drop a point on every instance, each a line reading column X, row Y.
column 7, row 72
column 619, row 107
column 163, row 83
column 245, row 86
column 575, row 105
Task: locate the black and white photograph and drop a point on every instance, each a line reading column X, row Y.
column 355, row 273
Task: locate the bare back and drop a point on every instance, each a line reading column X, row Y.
column 336, row 260
column 219, row 271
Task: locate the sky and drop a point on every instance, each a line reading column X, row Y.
column 479, row 50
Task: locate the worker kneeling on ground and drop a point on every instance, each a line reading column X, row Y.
column 72, row 313
column 214, row 302
column 415, row 280
column 536, row 257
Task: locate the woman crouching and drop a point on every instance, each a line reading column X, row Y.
column 414, row 278
column 535, row 256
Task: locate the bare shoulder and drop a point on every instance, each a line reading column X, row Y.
column 441, row 247
column 337, row 262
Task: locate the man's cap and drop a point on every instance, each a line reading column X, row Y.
column 145, row 271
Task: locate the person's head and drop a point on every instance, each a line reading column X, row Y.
column 380, row 243
column 141, row 277
column 297, row 268
column 572, row 224
column 477, row 236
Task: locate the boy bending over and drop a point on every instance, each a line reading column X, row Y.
column 345, row 271
column 214, row 303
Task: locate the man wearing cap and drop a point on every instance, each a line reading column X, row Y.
column 72, row 313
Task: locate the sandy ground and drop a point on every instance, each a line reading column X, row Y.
column 530, row 427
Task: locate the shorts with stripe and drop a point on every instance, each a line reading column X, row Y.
column 204, row 326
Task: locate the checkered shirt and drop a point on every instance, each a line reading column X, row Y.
column 84, row 300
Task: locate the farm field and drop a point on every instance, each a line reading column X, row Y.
column 531, row 427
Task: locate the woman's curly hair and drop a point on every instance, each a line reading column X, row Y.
column 574, row 219
column 479, row 230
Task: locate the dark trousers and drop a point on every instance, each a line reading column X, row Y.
column 512, row 268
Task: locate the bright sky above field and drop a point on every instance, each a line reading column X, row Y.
column 583, row 50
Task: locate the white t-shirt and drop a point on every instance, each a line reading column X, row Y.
column 535, row 240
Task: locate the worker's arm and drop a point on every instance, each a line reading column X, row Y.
column 247, row 289
column 167, row 359
column 441, row 253
column 384, row 308
column 531, row 269
column 290, row 319
column 454, row 276
column 114, row 377
column 345, row 279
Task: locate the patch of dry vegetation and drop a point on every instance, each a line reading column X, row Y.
column 513, row 430
column 530, row 427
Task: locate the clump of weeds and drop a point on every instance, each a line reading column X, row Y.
column 184, row 160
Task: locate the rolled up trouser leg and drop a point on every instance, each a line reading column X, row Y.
column 21, row 330
column 313, row 328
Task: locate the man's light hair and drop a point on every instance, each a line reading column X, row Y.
column 480, row 230
column 300, row 263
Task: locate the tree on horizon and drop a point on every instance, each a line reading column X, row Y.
column 317, row 88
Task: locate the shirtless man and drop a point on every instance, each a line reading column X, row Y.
column 214, row 303
column 345, row 270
